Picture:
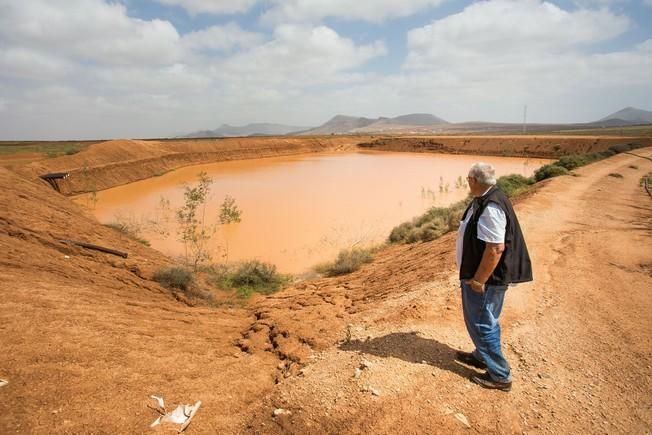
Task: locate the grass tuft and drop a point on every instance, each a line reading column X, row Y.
column 549, row 171
column 348, row 260
column 514, row 184
column 247, row 278
column 429, row 226
column 175, row 278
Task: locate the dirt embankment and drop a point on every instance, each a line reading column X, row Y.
column 87, row 337
column 113, row 163
column 526, row 146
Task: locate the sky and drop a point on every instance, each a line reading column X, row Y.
column 94, row 69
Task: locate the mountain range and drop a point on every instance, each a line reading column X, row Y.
column 256, row 129
column 417, row 123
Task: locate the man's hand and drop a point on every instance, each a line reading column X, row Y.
column 490, row 258
column 476, row 286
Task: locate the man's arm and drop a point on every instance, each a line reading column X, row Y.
column 490, row 258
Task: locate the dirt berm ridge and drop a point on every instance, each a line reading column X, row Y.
column 87, row 337
column 113, row 163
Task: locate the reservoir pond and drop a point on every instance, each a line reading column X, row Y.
column 298, row 211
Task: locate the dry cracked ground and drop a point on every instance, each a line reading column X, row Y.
column 86, row 339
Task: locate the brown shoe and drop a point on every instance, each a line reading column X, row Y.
column 469, row 359
column 484, row 380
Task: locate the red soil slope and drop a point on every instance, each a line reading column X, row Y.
column 87, row 337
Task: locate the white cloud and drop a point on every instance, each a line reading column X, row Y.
column 212, row 6
column 88, row 29
column 302, row 56
column 497, row 55
column 24, row 63
column 178, row 79
column 503, row 32
column 221, row 38
column 88, row 69
column 302, row 11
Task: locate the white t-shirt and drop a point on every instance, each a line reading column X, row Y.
column 491, row 228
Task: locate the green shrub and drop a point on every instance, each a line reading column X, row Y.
column 574, row 161
column 622, row 148
column 400, row 232
column 513, row 184
column 175, row 278
column 549, row 171
column 431, row 225
column 348, row 260
column 248, row 277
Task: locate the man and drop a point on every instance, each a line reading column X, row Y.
column 491, row 254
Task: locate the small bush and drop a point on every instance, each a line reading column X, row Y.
column 575, row 161
column 633, row 167
column 513, row 184
column 549, row 171
column 622, row 148
column 248, row 277
column 431, row 225
column 175, row 278
column 400, row 232
column 348, row 260
column 615, row 175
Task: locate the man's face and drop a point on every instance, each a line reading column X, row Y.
column 471, row 181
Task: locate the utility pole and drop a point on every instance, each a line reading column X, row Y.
column 524, row 118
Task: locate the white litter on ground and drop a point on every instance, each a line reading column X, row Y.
column 181, row 415
column 3, row 382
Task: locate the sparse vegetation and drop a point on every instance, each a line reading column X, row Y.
column 635, row 130
column 439, row 220
column 175, row 278
column 194, row 231
column 50, row 149
column 615, row 175
column 575, row 161
column 514, row 184
column 247, row 278
column 633, row 167
column 348, row 260
column 431, row 225
column 549, row 171
column 182, row 280
column 128, row 230
column 570, row 162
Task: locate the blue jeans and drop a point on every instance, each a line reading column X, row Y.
column 481, row 312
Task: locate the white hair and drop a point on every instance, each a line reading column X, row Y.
column 483, row 173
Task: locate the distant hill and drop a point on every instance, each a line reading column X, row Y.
column 256, row 129
column 417, row 119
column 340, row 124
column 630, row 115
column 416, row 122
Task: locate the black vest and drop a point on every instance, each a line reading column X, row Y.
column 514, row 265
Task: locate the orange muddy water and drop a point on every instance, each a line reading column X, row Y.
column 302, row 210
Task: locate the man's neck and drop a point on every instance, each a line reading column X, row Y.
column 484, row 192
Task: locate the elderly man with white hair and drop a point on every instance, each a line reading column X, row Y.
column 491, row 255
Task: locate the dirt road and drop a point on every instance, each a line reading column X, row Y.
column 87, row 338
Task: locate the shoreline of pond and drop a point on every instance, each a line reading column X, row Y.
column 113, row 163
